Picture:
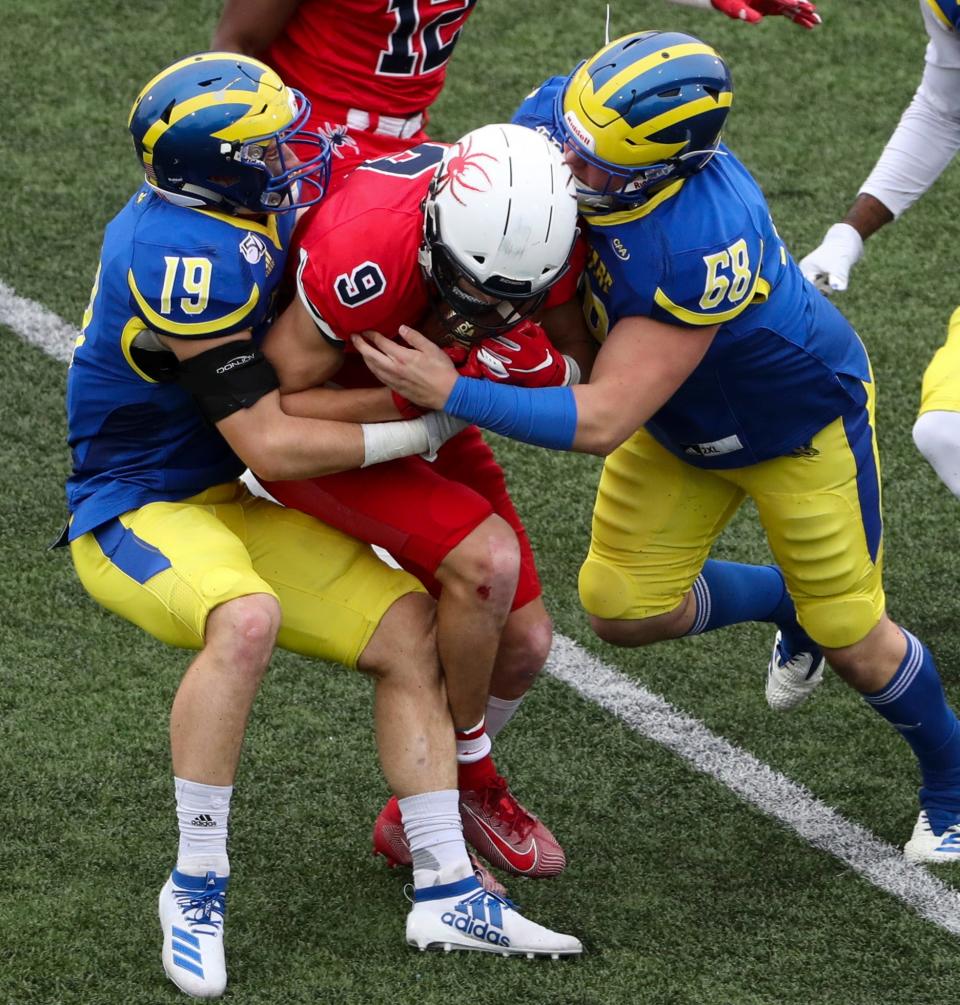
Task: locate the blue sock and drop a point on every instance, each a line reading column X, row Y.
column 727, row 593
column 915, row 705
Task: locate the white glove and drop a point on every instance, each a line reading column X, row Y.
column 828, row 265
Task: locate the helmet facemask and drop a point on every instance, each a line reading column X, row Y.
column 287, row 174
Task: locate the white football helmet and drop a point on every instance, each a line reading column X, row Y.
column 500, row 220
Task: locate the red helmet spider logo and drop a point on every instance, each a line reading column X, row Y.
column 462, row 164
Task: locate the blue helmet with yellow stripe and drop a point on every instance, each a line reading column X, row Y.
column 947, row 12
column 210, row 130
column 647, row 108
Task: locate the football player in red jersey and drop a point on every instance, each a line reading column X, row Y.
column 468, row 238
column 372, row 68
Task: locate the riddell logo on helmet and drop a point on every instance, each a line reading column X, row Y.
column 578, row 130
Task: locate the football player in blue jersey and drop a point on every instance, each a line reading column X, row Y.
column 169, row 397
column 722, row 373
column 925, row 141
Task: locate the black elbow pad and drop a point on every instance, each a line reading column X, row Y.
column 228, row 377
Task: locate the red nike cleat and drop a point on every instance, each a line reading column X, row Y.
column 504, row 833
column 390, row 841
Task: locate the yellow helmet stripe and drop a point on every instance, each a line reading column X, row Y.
column 207, row 57
column 635, row 70
column 193, row 328
column 195, row 104
column 705, row 104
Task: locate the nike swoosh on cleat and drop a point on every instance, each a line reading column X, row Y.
column 522, row 861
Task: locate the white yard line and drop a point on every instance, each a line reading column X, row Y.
column 649, row 715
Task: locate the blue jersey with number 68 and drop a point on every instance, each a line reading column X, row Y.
column 704, row 251
column 136, row 436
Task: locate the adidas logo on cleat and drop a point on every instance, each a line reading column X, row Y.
column 204, row 820
column 480, row 917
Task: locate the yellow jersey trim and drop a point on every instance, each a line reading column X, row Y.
column 192, row 329
column 637, row 212
column 941, row 17
column 130, row 331
column 270, row 229
column 698, row 318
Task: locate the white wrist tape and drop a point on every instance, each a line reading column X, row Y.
column 702, row 4
column 386, row 441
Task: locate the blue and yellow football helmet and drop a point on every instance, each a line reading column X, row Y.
column 947, row 13
column 647, row 108
column 211, row 129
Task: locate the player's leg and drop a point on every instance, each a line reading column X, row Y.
column 647, row 576
column 177, row 571
column 822, row 517
column 937, row 429
column 447, row 534
column 495, row 822
column 345, row 604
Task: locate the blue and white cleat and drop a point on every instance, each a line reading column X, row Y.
column 926, row 846
column 791, row 682
column 463, row 916
column 192, row 909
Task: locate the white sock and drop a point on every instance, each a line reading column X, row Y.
column 203, row 812
column 499, row 712
column 472, row 744
column 937, row 436
column 432, row 824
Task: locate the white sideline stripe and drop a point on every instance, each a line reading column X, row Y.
column 36, row 325
column 756, row 783
column 648, row 714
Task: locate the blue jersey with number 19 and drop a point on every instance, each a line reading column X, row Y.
column 701, row 252
column 136, row 436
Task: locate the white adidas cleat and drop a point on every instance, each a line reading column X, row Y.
column 791, row 682
column 463, row 916
column 192, row 909
column 925, row 846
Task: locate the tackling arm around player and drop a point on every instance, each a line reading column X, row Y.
column 924, row 142
column 752, row 384
column 164, row 534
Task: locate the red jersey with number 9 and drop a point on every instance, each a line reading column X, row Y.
column 357, row 251
column 383, row 56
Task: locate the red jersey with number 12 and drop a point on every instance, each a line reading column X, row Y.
column 383, row 56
